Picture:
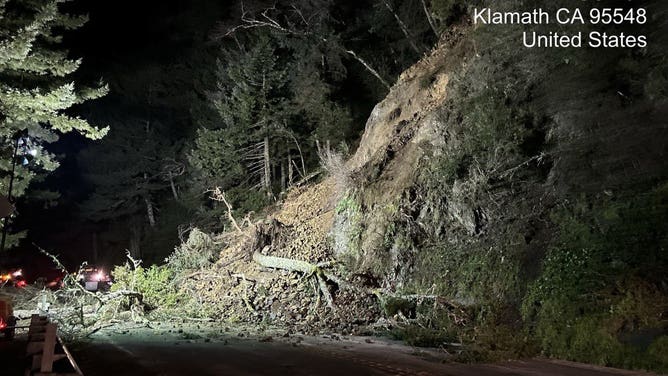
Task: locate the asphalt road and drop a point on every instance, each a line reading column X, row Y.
column 173, row 354
column 139, row 353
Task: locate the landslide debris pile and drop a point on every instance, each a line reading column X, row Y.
column 238, row 289
column 491, row 199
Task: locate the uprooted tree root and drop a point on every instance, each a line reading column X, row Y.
column 278, row 272
column 396, row 307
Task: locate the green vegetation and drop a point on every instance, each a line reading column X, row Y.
column 248, row 111
column 529, row 222
column 530, row 218
column 492, row 129
column 197, row 252
column 347, row 233
column 155, row 283
column 601, row 295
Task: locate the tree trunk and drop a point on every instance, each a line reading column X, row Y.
column 291, row 172
column 368, row 67
column 149, row 211
column 284, row 263
column 149, row 205
column 267, row 168
column 403, row 27
column 429, row 18
column 171, row 184
column 135, row 238
column 301, row 156
column 304, row 267
column 283, row 177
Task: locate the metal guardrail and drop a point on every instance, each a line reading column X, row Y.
column 45, row 350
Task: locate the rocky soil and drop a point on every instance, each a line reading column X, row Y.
column 238, row 289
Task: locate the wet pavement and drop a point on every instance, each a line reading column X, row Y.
column 139, row 353
column 12, row 354
column 171, row 355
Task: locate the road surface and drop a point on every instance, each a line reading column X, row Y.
column 175, row 353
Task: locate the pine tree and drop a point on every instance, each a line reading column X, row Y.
column 36, row 88
column 274, row 103
column 251, row 101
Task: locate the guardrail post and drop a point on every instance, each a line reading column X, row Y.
column 46, row 365
column 42, row 341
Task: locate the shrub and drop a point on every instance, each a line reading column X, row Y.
column 602, row 282
column 335, row 164
column 197, row 252
column 155, row 283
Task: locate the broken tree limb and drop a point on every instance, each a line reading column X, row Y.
column 430, row 19
column 368, row 67
column 266, row 19
column 68, row 277
column 306, row 179
column 242, row 276
column 403, row 27
column 122, row 293
column 324, row 289
column 245, row 298
column 218, row 195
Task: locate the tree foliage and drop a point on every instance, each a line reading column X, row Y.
column 271, row 105
column 37, row 89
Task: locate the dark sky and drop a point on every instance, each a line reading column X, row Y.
column 132, row 33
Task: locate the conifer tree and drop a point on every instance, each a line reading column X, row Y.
column 36, row 88
column 251, row 101
column 273, row 104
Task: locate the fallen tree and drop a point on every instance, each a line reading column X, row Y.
column 307, row 269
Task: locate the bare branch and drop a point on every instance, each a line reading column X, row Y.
column 248, row 21
column 218, row 195
column 368, row 67
column 429, row 18
column 403, row 27
column 299, row 13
